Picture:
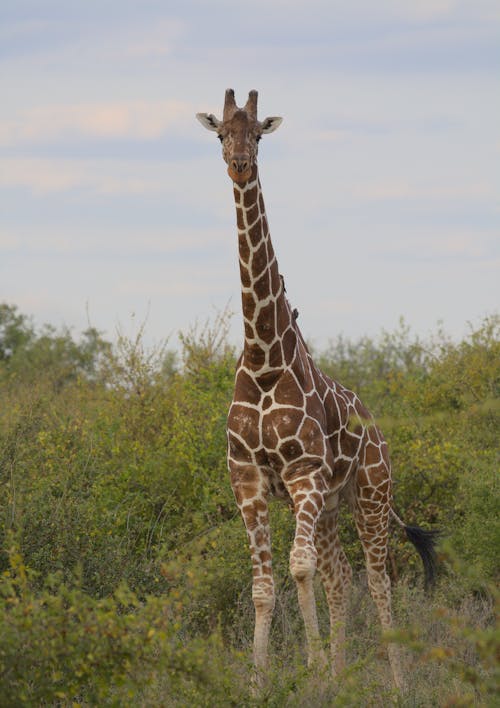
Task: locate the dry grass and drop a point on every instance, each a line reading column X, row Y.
column 448, row 646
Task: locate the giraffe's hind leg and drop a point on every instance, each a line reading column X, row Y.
column 371, row 515
column 336, row 575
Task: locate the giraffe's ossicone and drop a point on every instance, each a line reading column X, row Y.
column 293, row 432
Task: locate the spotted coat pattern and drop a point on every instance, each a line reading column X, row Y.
column 296, row 434
column 293, row 432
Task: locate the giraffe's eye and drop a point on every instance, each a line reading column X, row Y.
column 258, row 138
column 221, row 137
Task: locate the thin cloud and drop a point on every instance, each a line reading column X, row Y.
column 443, row 246
column 45, row 176
column 177, row 242
column 401, row 190
column 130, row 33
column 139, row 120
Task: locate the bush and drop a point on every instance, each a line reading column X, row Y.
column 118, row 519
column 59, row 645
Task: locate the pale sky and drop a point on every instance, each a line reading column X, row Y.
column 381, row 185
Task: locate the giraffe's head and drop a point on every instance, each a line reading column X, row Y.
column 239, row 132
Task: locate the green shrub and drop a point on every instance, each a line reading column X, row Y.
column 113, row 472
column 60, row 645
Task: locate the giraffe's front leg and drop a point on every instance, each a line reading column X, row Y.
column 251, row 490
column 307, row 489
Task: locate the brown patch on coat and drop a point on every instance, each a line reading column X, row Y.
column 245, row 422
column 240, row 219
column 268, row 379
column 332, row 415
column 245, row 276
column 283, row 320
column 265, row 323
column 280, row 424
column 252, row 214
column 349, row 444
column 289, row 343
column 275, row 283
column 259, row 260
column 372, row 454
column 314, row 406
column 248, row 302
column 262, row 286
column 250, row 196
column 255, row 233
column 312, row 437
column 255, row 356
column 291, row 449
column 288, row 391
column 276, row 355
column 244, row 248
column 261, row 457
column 246, row 389
column 245, row 482
column 237, row 450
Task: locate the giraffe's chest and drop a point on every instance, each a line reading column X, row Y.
column 286, row 417
column 275, row 434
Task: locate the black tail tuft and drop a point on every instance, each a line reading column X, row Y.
column 425, row 543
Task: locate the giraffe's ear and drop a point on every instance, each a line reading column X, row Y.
column 269, row 125
column 209, row 121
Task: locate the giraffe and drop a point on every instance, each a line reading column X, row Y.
column 295, row 434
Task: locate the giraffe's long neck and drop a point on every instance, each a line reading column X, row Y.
column 270, row 334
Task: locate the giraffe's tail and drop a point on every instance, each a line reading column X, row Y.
column 425, row 543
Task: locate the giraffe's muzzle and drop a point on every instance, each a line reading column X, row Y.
column 239, row 168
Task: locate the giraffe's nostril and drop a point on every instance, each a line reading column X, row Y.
column 240, row 164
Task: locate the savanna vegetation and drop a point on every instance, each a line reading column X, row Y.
column 124, row 571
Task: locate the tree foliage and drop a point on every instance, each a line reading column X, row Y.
column 115, row 503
